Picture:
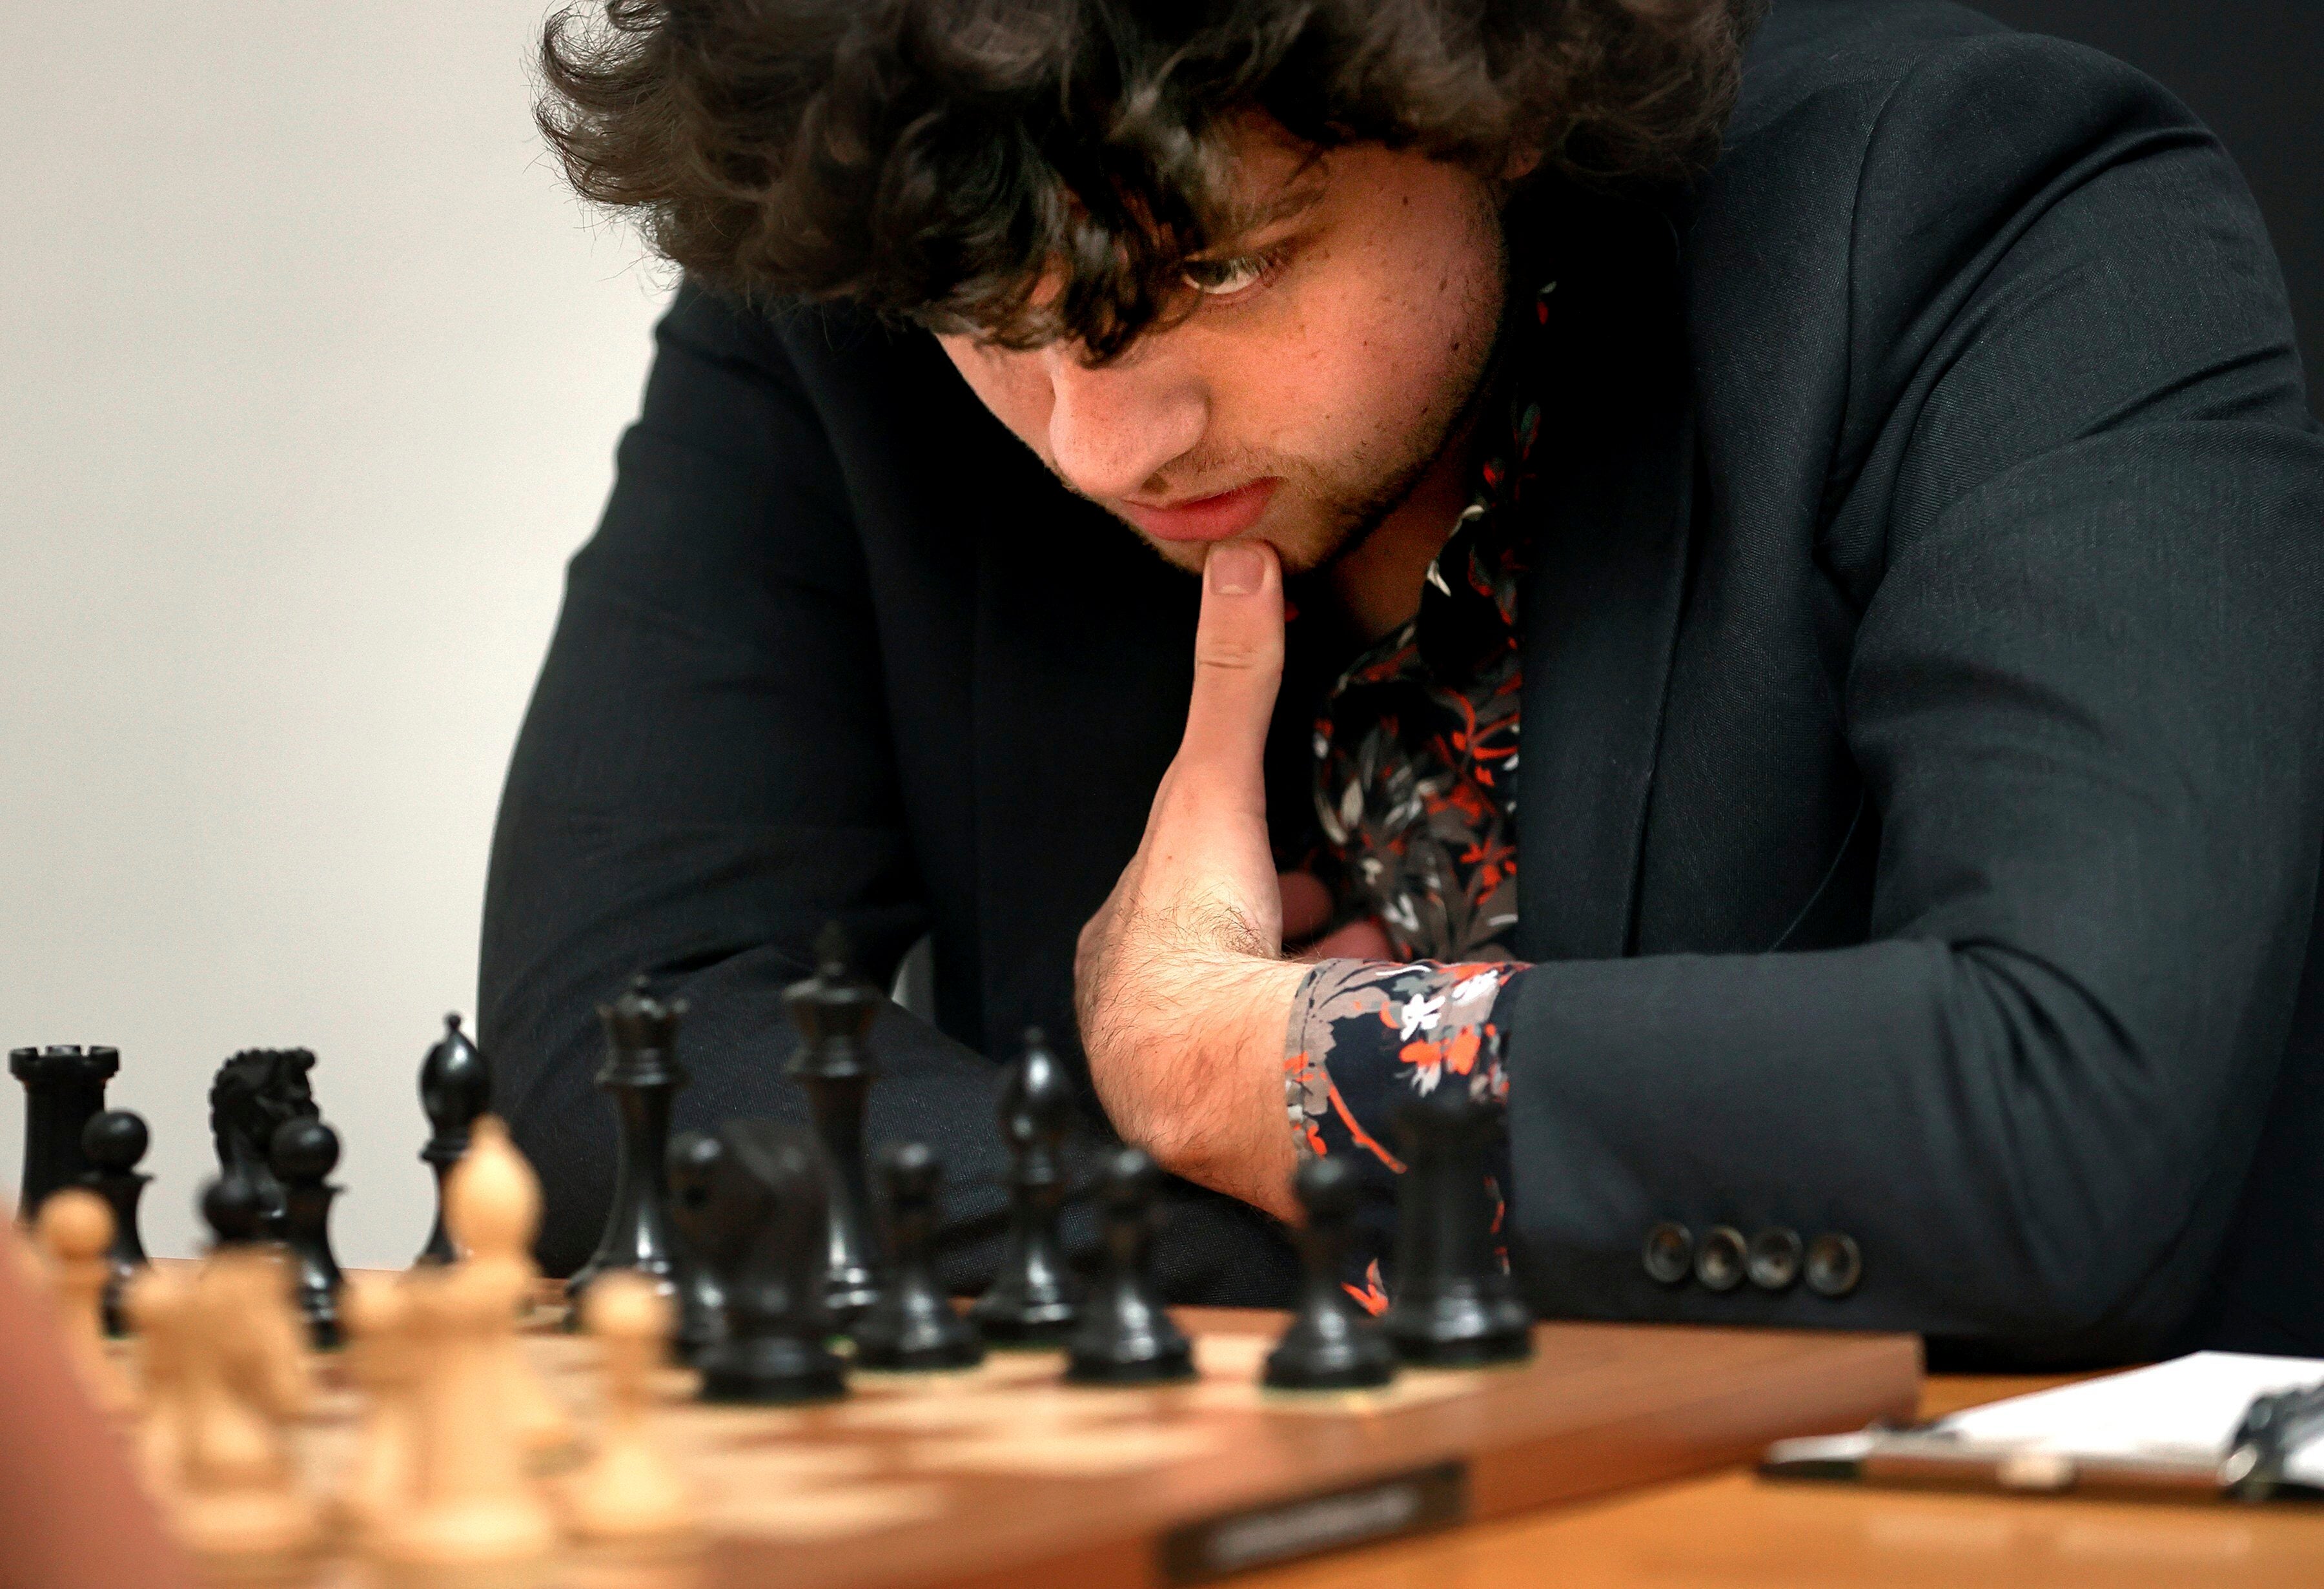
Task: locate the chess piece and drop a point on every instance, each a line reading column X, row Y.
column 1331, row 1343
column 302, row 1156
column 642, row 1076
column 113, row 1141
column 701, row 1305
column 455, row 1085
column 382, row 1364
column 913, row 1326
column 243, row 1376
column 253, row 1094
column 491, row 1206
column 762, row 1222
column 1454, row 1305
column 628, row 1493
column 156, row 1305
column 1031, row 1300
column 474, row 1514
column 232, row 1206
column 64, row 1086
column 1125, row 1337
column 76, row 1232
column 834, row 1013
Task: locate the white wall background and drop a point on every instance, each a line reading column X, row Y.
column 311, row 375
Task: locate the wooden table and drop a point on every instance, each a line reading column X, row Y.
column 1736, row 1531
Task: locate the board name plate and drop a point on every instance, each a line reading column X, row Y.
column 1411, row 1502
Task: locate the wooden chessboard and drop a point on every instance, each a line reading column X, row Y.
column 1004, row 1475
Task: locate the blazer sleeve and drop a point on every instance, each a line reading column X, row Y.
column 2081, row 513
column 704, row 779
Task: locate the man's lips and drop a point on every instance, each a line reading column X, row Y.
column 1206, row 517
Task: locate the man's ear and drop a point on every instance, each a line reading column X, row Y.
column 1523, row 162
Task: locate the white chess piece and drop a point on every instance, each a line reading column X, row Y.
column 75, row 1229
column 475, row 1515
column 243, row 1375
column 629, row 1491
column 382, row 1364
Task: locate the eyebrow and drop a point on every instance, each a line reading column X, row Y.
column 1300, row 192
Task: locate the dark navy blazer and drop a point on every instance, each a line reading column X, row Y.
column 1923, row 739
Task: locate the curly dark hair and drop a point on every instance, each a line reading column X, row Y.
column 934, row 160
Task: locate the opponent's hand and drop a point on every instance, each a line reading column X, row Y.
column 1179, row 981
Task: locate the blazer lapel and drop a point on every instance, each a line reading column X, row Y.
column 1085, row 656
column 1602, row 600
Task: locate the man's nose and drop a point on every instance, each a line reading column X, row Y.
column 1112, row 429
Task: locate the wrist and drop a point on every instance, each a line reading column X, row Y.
column 1218, row 1119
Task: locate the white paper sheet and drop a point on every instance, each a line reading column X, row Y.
column 2185, row 1409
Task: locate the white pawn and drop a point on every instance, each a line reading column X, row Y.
column 243, row 1370
column 159, row 1303
column 629, row 1491
column 381, row 1359
column 75, row 1228
column 475, row 1517
column 492, row 1210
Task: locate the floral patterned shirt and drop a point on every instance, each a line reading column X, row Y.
column 1416, row 800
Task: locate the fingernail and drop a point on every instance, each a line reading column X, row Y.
column 1236, row 568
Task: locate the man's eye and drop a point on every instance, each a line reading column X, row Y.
column 1223, row 278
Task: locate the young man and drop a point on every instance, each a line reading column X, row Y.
column 1122, row 483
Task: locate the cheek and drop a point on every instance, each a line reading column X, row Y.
column 1382, row 354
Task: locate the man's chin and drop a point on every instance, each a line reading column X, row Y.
column 1298, row 553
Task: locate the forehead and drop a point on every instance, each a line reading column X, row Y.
column 1272, row 177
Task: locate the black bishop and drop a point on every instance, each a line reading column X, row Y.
column 1032, row 1300
column 455, row 1088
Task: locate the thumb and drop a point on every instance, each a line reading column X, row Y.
column 1237, row 659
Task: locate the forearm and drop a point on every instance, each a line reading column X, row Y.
column 2016, row 1166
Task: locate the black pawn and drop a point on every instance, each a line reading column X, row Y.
column 642, row 1076
column 1125, row 1336
column 113, row 1142
column 913, row 1326
column 760, row 1222
column 1031, row 1301
column 235, row 1210
column 694, row 1158
column 455, row 1088
column 303, row 1154
column 1332, row 1344
column 834, row 1013
column 64, row 1087
column 1455, row 1305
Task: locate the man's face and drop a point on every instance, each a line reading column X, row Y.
column 1333, row 356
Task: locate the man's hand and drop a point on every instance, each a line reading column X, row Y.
column 1179, row 980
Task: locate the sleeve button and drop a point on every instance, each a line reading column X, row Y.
column 1669, row 1253
column 1718, row 1261
column 1834, row 1264
column 1775, row 1259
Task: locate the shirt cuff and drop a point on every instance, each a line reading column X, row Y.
column 1365, row 1033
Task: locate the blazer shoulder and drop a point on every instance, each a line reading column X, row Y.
column 1832, row 53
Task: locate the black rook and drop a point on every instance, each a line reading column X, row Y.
column 64, row 1086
